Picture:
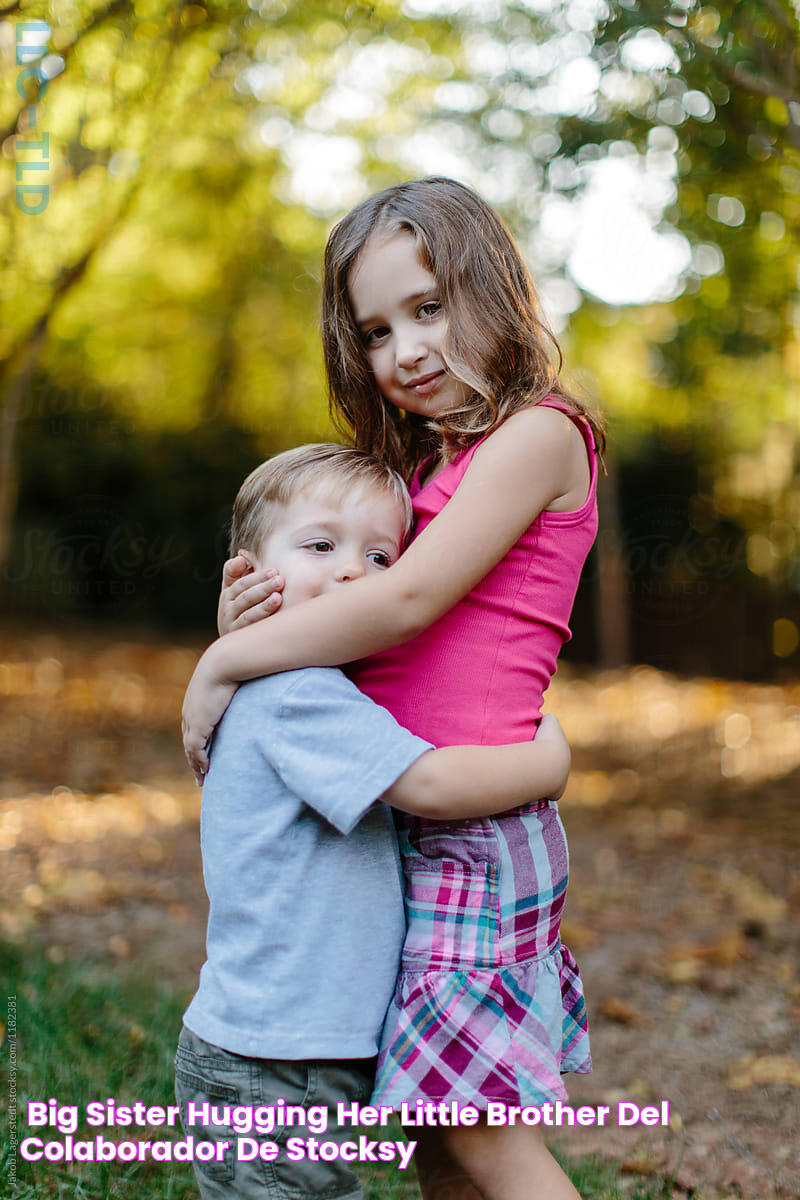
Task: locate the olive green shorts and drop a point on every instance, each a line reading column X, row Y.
column 208, row 1074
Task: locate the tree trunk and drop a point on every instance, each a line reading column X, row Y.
column 9, row 420
column 612, row 597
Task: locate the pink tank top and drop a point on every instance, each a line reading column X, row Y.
column 478, row 674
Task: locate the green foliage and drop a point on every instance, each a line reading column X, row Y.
column 707, row 95
column 731, row 102
column 199, row 151
column 730, row 99
column 171, row 264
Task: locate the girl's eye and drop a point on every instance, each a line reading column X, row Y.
column 379, row 558
column 372, row 336
column 431, row 308
column 321, row 547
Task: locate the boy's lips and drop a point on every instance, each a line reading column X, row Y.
column 424, row 384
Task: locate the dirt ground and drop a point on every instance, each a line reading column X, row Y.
column 684, row 827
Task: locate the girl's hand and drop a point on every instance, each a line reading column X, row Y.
column 551, row 734
column 247, row 594
column 204, row 704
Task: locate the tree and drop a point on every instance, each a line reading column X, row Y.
column 198, row 151
column 170, row 265
column 729, row 94
column 704, row 101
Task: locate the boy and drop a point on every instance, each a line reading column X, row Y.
column 306, row 909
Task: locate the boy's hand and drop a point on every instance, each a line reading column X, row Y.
column 551, row 734
column 204, row 704
column 247, row 594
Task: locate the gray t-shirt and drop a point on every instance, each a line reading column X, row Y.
column 302, row 872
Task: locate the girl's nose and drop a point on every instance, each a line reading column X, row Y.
column 410, row 351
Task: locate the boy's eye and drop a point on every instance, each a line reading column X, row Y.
column 323, row 546
column 379, row 558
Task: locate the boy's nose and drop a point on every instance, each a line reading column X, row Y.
column 349, row 571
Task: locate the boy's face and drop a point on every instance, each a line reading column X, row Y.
column 321, row 541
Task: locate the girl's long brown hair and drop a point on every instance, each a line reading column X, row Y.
column 497, row 343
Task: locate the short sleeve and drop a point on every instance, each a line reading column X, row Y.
column 336, row 749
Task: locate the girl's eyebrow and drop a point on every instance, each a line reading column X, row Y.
column 411, row 299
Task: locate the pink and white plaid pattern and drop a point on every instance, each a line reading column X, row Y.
column 489, row 1004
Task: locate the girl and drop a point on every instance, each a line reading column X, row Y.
column 438, row 360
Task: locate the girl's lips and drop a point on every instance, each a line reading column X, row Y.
column 426, row 384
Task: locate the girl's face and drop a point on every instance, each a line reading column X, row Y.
column 402, row 323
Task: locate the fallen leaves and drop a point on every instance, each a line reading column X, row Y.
column 60, row 845
column 718, row 729
column 577, row 935
column 684, row 963
column 641, row 1165
column 84, row 709
column 753, row 902
column 676, row 912
column 621, row 1011
column 66, row 815
column 755, row 1071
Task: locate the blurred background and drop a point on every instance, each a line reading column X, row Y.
column 169, row 173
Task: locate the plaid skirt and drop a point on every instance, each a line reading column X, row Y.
column 489, row 1004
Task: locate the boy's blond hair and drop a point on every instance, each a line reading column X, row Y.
column 321, row 466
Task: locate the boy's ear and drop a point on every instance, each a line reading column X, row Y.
column 248, row 558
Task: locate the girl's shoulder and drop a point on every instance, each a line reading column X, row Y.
column 548, row 435
column 552, row 412
column 543, row 430
column 548, row 448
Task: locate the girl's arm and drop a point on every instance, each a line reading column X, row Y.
column 536, row 459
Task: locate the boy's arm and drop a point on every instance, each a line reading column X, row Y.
column 457, row 782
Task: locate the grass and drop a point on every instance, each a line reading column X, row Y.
column 89, row 1031
column 86, row 1032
